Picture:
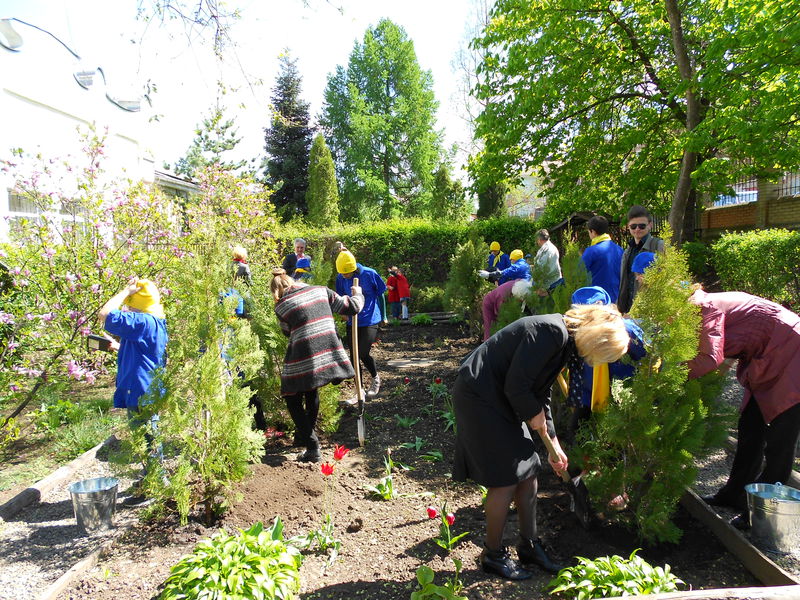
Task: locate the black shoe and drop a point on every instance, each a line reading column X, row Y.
column 741, row 521
column 138, row 501
column 723, row 500
column 310, row 456
column 499, row 562
column 531, row 552
column 299, row 441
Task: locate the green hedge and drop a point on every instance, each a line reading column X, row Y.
column 763, row 263
column 422, row 248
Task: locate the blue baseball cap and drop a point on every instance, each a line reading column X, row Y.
column 642, row 261
column 591, row 295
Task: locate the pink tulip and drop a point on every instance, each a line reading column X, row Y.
column 450, row 518
column 432, row 512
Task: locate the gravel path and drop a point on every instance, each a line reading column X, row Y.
column 42, row 542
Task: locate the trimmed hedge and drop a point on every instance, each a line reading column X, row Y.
column 422, row 248
column 765, row 263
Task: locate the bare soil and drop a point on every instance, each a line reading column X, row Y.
column 384, row 542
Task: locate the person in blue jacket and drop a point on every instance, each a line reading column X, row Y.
column 603, row 257
column 497, row 260
column 581, row 380
column 373, row 288
column 142, row 333
column 519, row 269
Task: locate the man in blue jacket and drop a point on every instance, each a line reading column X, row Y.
column 373, row 288
column 603, row 257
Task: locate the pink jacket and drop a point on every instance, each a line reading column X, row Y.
column 491, row 305
column 764, row 336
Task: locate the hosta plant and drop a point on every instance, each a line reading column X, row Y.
column 422, row 319
column 256, row 563
column 611, row 576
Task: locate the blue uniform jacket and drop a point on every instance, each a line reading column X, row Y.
column 143, row 340
column 603, row 261
column 373, row 288
column 618, row 369
column 518, row 270
column 503, row 263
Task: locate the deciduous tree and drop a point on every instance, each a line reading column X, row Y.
column 655, row 103
column 379, row 118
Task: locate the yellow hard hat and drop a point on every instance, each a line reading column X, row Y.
column 515, row 255
column 494, row 246
column 147, row 299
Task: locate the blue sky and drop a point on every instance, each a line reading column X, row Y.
column 105, row 33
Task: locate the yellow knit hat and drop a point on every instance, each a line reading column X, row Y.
column 515, row 255
column 494, row 246
column 345, row 262
column 147, row 299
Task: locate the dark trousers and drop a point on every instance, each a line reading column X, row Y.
column 772, row 446
column 366, row 337
column 305, row 417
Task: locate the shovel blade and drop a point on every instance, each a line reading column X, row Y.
column 579, row 501
column 360, row 428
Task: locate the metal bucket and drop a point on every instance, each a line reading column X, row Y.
column 94, row 502
column 774, row 516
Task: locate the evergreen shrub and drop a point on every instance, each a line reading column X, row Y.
column 763, row 263
column 427, row 299
column 464, row 291
column 698, row 256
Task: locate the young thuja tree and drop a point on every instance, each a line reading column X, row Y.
column 464, row 290
column 89, row 236
column 574, row 273
column 645, row 443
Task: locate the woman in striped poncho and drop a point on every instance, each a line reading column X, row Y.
column 315, row 356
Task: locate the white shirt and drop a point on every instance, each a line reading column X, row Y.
column 547, row 258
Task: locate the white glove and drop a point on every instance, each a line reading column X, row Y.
column 483, row 274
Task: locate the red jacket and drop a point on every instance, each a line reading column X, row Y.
column 400, row 287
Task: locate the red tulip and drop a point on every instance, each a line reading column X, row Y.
column 339, row 452
column 438, row 380
column 432, row 512
column 406, row 380
column 326, row 468
column 450, row 518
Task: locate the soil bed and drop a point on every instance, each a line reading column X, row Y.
column 385, row 542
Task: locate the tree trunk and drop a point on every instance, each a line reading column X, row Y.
column 689, row 160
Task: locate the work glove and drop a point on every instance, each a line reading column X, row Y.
column 483, row 274
column 494, row 276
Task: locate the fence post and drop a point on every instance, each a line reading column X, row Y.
column 768, row 191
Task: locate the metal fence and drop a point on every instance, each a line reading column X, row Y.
column 790, row 184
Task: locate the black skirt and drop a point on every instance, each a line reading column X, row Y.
column 492, row 448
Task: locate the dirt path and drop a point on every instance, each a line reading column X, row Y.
column 385, row 542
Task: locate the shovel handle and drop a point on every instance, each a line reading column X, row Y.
column 354, row 343
column 563, row 384
column 551, row 449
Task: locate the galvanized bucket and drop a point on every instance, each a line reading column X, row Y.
column 774, row 516
column 94, row 501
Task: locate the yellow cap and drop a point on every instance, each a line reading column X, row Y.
column 345, row 262
column 494, row 246
column 515, row 255
column 147, row 299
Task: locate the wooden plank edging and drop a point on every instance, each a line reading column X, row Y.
column 759, row 564
column 79, row 568
column 34, row 493
column 761, row 593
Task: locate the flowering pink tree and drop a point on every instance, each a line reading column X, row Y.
column 88, row 238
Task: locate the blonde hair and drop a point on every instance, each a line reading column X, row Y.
column 280, row 283
column 239, row 253
column 599, row 332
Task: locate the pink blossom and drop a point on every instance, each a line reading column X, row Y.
column 13, row 388
column 70, row 277
column 90, row 377
column 30, row 316
column 95, row 287
column 6, row 318
column 49, row 252
column 16, row 271
column 47, row 317
column 85, row 331
column 12, row 346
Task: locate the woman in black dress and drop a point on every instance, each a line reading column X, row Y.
column 501, row 394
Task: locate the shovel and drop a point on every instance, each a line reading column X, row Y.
column 578, row 494
column 357, row 369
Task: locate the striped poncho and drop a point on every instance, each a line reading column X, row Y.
column 315, row 355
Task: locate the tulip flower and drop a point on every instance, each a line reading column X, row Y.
column 438, row 380
column 406, row 380
column 327, row 469
column 451, row 518
column 339, row 452
column 432, row 512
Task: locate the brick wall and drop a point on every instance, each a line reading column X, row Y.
column 781, row 212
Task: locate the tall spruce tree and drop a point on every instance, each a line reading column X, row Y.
column 287, row 141
column 322, row 197
column 379, row 119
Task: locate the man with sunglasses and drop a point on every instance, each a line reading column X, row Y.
column 640, row 222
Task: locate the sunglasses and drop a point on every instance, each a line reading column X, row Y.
column 633, row 226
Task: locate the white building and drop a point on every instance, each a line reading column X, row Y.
column 46, row 95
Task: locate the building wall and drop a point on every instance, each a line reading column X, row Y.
column 44, row 109
column 780, row 212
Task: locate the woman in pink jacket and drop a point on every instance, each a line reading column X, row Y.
column 765, row 338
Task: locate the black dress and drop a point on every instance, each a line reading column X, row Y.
column 503, row 383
